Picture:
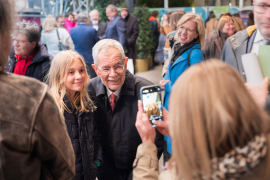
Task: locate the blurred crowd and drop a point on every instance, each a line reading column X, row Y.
column 70, row 109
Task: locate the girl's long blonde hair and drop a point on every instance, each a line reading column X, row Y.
column 211, row 113
column 57, row 76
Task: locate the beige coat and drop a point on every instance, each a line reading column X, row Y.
column 211, row 25
column 146, row 166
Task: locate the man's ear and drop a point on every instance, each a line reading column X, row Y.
column 126, row 61
column 34, row 43
column 95, row 68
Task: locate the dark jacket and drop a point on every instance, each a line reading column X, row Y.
column 154, row 26
column 85, row 138
column 84, row 38
column 116, row 30
column 132, row 33
column 34, row 142
column 120, row 137
column 39, row 66
column 101, row 27
column 213, row 45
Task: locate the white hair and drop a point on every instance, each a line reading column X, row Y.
column 107, row 44
column 93, row 11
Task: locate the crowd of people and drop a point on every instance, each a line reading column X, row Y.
column 70, row 109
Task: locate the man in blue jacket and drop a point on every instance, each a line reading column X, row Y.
column 116, row 28
column 84, row 38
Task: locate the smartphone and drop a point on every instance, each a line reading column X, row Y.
column 152, row 104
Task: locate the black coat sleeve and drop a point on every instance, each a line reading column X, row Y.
column 135, row 32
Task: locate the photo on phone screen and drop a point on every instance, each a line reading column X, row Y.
column 152, row 105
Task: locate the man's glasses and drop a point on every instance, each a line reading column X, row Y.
column 20, row 42
column 184, row 28
column 117, row 69
column 260, row 8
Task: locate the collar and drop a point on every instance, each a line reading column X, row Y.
column 222, row 34
column 258, row 36
column 152, row 18
column 109, row 92
column 128, row 88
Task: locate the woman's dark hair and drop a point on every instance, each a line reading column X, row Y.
column 154, row 13
column 68, row 14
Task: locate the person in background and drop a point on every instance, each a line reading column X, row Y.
column 215, row 124
column 28, row 57
column 132, row 33
column 249, row 40
column 238, row 22
column 213, row 45
column 211, row 13
column 116, row 92
column 84, row 38
column 155, row 28
column 250, row 19
column 49, row 36
column 211, row 25
column 95, row 23
column 34, row 140
column 60, row 21
column 170, row 29
column 70, row 22
column 75, row 14
column 187, row 52
column 164, row 30
column 116, row 28
column 78, row 109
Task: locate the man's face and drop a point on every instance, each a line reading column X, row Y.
column 262, row 18
column 94, row 16
column 110, row 14
column 124, row 14
column 61, row 22
column 22, row 46
column 111, row 59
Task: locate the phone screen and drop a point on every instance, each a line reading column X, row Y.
column 152, row 106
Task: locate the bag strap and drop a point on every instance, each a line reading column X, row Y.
column 57, row 34
column 190, row 54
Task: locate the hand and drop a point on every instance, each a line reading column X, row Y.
column 162, row 83
column 259, row 93
column 100, row 37
column 143, row 125
column 163, row 126
column 166, row 62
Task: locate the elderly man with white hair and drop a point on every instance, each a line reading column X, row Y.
column 116, row 92
column 95, row 23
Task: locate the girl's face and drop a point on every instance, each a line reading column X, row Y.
column 71, row 18
column 75, row 79
column 229, row 28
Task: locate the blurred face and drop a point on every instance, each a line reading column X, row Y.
column 187, row 32
column 111, row 59
column 71, row 18
column 75, row 79
column 262, row 17
column 124, row 14
column 94, row 16
column 229, row 28
column 22, row 46
column 110, row 14
column 75, row 16
column 61, row 22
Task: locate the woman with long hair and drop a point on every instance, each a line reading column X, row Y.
column 51, row 34
column 214, row 43
column 67, row 81
column 218, row 130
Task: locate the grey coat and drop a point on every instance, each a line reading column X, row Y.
column 235, row 47
column 101, row 28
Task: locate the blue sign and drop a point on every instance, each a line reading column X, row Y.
column 198, row 10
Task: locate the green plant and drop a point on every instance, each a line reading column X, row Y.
column 145, row 39
column 101, row 5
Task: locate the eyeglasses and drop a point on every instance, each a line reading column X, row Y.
column 260, row 8
column 117, row 69
column 184, row 28
column 20, row 42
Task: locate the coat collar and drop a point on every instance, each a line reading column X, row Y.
column 128, row 87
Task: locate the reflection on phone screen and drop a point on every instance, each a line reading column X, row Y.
column 152, row 105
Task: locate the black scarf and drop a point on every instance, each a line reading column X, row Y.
column 179, row 50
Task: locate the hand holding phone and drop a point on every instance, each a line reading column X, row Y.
column 152, row 105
